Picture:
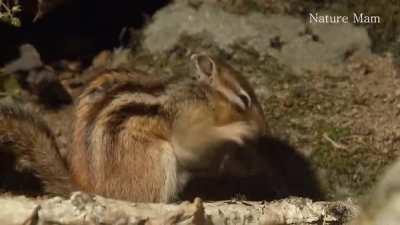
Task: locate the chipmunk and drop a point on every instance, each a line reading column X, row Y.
column 140, row 137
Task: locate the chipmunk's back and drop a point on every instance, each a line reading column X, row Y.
column 141, row 137
column 120, row 116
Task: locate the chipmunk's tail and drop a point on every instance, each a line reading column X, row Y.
column 32, row 144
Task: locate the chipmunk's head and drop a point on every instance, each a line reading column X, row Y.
column 233, row 99
column 215, row 126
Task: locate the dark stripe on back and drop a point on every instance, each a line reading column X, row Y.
column 153, row 88
column 120, row 116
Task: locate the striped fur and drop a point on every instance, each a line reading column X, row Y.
column 119, row 113
column 141, row 138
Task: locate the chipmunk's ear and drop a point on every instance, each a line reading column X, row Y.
column 206, row 67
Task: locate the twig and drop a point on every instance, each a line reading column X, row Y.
column 5, row 7
column 334, row 143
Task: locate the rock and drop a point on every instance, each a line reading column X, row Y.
column 17, row 210
column 293, row 41
column 40, row 79
column 29, row 59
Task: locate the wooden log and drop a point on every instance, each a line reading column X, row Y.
column 84, row 209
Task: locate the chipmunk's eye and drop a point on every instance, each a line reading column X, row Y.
column 245, row 100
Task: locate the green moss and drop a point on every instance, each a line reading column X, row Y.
column 351, row 171
column 305, row 115
column 354, row 170
column 9, row 86
column 337, row 133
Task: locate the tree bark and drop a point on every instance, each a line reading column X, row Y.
column 82, row 208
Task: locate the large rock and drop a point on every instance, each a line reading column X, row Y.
column 291, row 40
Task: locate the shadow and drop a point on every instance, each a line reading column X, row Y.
column 285, row 172
column 17, row 182
column 77, row 30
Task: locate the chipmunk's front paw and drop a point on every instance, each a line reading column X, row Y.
column 238, row 132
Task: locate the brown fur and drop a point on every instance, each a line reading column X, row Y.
column 140, row 137
column 33, row 144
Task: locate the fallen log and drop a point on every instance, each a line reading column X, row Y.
column 82, row 208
